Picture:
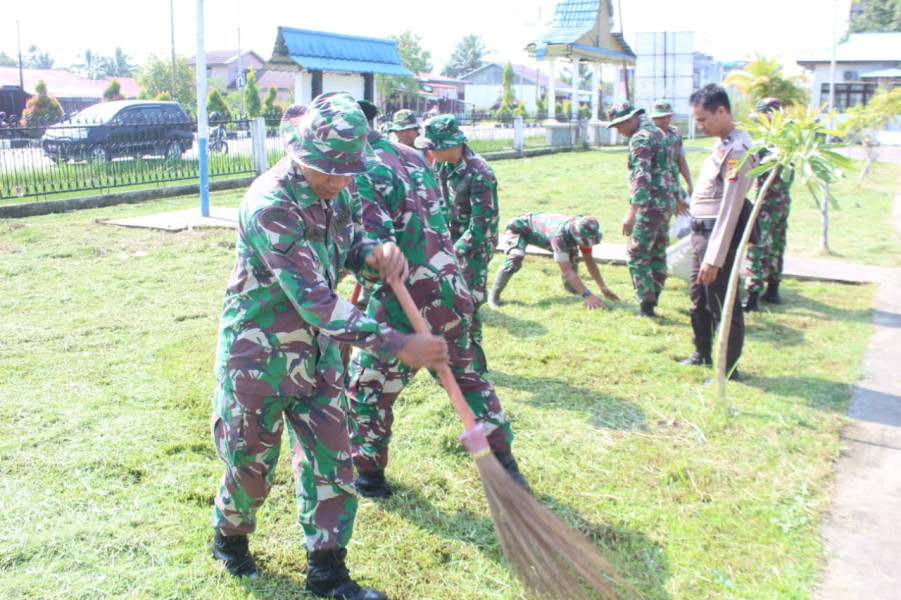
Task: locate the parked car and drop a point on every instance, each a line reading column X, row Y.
column 121, row 128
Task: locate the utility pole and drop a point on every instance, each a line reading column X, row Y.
column 172, row 26
column 21, row 78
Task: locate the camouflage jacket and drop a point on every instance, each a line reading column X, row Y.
column 676, row 147
column 649, row 170
column 549, row 231
column 402, row 203
column 470, row 190
column 281, row 315
column 779, row 189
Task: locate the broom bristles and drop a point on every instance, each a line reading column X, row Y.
column 551, row 559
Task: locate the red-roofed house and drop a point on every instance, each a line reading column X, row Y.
column 71, row 90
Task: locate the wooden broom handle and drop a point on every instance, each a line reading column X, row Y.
column 355, row 295
column 447, row 378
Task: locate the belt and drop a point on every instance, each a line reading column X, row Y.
column 703, row 224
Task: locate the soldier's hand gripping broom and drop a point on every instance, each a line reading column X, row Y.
column 552, row 560
column 346, row 349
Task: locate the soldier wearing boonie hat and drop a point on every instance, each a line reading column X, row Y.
column 765, row 259
column 662, row 116
column 405, row 126
column 470, row 191
column 651, row 204
column 567, row 238
column 278, row 359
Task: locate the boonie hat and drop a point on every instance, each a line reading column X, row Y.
column 403, row 119
column 441, row 132
column 768, row 105
column 329, row 135
column 586, row 230
column 621, row 112
column 662, row 108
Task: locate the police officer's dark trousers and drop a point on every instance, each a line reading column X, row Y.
column 707, row 300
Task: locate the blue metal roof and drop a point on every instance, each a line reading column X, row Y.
column 324, row 51
column 572, row 20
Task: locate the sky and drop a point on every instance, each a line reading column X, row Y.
column 784, row 28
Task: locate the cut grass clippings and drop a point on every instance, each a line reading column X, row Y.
column 107, row 472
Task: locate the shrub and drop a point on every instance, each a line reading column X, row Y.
column 42, row 108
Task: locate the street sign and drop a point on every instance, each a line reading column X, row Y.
column 240, row 82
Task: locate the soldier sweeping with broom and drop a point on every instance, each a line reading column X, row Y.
column 277, row 359
column 402, row 204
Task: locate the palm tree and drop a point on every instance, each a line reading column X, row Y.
column 119, row 64
column 467, row 56
column 762, row 78
column 92, row 65
column 796, row 146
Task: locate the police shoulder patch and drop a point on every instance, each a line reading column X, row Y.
column 732, row 168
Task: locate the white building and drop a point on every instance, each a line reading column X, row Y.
column 485, row 86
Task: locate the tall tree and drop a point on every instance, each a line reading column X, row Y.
column 763, row 78
column 119, row 65
column 412, row 56
column 155, row 76
column 8, row 61
column 37, row 59
column 468, row 56
column 92, row 66
column 877, row 16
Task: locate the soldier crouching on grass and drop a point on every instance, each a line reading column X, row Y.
column 566, row 237
column 278, row 358
column 402, row 203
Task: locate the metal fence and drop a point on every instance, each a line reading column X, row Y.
column 76, row 157
column 72, row 157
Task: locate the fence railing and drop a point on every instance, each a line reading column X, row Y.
column 41, row 161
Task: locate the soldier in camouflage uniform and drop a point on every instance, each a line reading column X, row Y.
column 277, row 359
column 402, row 203
column 651, row 204
column 567, row 238
column 470, row 191
column 662, row 116
column 405, row 127
column 764, row 261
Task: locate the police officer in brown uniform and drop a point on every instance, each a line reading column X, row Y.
column 716, row 206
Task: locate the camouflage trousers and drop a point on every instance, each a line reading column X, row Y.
column 247, row 432
column 647, row 254
column 516, row 253
column 765, row 260
column 475, row 273
column 373, row 384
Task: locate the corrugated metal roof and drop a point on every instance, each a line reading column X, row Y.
column 572, row 20
column 325, row 51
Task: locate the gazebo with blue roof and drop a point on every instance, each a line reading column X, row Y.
column 326, row 62
column 582, row 30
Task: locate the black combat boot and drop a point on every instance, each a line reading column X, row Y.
column 647, row 309
column 500, row 282
column 509, row 463
column 697, row 360
column 771, row 294
column 233, row 552
column 372, row 485
column 327, row 576
column 750, row 302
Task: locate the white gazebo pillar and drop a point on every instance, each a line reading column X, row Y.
column 574, row 107
column 551, row 90
column 597, row 132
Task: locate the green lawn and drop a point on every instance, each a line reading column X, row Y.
column 107, row 472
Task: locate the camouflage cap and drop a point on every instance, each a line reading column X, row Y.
column 587, row 230
column 441, row 132
column 403, row 119
column 621, row 112
column 662, row 108
column 329, row 135
column 768, row 105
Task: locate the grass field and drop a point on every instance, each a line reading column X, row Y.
column 107, row 473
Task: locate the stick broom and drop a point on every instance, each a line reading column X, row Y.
column 552, row 560
column 347, row 348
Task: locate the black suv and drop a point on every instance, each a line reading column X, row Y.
column 122, row 128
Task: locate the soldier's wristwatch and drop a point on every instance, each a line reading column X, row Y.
column 586, row 293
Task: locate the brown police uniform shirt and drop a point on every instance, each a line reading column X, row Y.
column 720, row 192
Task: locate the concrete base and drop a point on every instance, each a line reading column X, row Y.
column 182, row 219
column 557, row 134
column 598, row 134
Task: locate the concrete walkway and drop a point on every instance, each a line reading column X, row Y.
column 862, row 531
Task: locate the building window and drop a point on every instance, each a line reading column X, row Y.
column 849, row 94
